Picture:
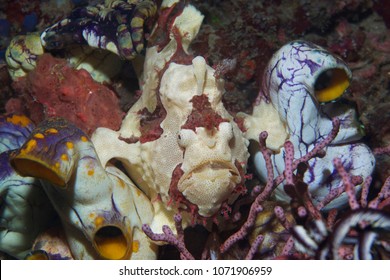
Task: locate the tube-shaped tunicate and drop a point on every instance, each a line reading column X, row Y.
column 97, row 208
column 299, row 83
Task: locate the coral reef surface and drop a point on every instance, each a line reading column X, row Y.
column 195, row 129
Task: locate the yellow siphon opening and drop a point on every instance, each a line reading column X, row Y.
column 29, row 167
column 331, row 84
column 37, row 255
column 111, row 243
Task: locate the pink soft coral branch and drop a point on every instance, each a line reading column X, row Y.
column 169, row 237
column 291, row 166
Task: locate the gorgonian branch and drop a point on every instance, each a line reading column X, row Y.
column 271, row 184
column 169, row 237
